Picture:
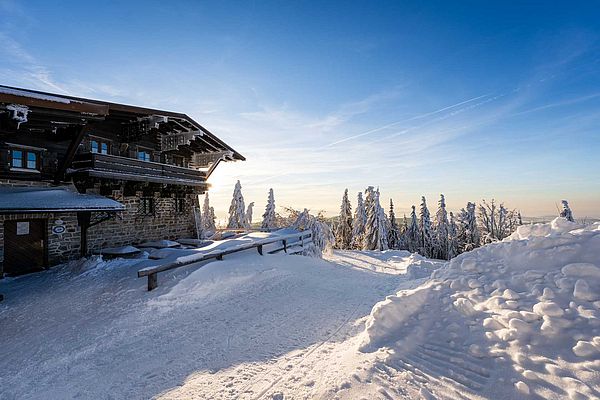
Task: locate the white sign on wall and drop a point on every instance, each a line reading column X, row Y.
column 22, row 228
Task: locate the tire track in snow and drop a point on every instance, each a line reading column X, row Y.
column 284, row 373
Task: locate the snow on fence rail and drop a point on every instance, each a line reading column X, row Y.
column 296, row 246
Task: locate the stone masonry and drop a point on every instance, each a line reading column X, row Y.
column 129, row 227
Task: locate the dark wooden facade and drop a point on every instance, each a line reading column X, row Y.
column 104, row 148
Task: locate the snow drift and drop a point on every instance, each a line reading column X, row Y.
column 524, row 310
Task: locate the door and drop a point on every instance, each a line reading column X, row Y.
column 25, row 246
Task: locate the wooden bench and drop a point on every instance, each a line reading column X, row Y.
column 293, row 244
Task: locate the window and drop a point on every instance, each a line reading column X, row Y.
column 178, row 161
column 24, row 159
column 99, row 146
column 31, row 160
column 146, row 207
column 143, row 155
column 179, row 205
column 17, row 158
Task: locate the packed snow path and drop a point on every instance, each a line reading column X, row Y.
column 238, row 328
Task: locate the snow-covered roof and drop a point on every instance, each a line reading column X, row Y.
column 29, row 199
column 39, row 96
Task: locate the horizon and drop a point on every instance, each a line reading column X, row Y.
column 475, row 102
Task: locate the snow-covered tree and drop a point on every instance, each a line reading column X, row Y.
column 343, row 230
column 199, row 223
column 208, row 217
column 566, row 211
column 468, row 232
column 269, row 217
column 322, row 236
column 441, row 230
column 412, row 235
column 426, row 239
column 358, row 223
column 519, row 219
column 394, row 229
column 213, row 217
column 237, row 209
column 376, row 235
column 249, row 215
column 495, row 221
column 452, row 238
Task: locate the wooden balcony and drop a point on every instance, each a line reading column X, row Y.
column 130, row 169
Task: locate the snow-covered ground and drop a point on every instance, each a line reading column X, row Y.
column 512, row 318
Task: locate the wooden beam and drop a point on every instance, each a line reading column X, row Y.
column 73, row 146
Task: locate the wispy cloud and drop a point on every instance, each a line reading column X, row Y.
column 416, row 117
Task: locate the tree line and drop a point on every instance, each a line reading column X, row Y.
column 443, row 236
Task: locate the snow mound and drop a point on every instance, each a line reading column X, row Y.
column 530, row 302
column 160, row 244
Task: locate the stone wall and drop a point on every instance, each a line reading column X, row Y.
column 129, row 227
column 62, row 247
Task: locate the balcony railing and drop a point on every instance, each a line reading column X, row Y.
column 116, row 167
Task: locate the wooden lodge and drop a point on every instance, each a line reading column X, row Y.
column 79, row 175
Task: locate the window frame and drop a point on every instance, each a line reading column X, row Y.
column 100, row 143
column 179, row 205
column 142, row 150
column 25, row 160
column 147, row 206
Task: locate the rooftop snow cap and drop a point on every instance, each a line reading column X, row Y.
column 53, row 199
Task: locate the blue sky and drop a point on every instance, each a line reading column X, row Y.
column 468, row 99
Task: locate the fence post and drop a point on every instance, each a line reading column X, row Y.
column 152, row 281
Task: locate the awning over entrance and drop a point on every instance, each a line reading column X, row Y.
column 53, row 199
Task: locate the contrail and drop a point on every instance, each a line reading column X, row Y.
column 405, row 120
column 441, row 118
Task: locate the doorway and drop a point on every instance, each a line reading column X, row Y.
column 25, row 246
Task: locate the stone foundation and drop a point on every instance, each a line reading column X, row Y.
column 129, row 227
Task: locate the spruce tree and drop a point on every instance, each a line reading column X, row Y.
column 441, row 230
column 375, row 237
column 208, row 218
column 249, row 215
column 426, row 239
column 452, row 238
column 468, row 235
column 412, row 234
column 237, row 209
column 269, row 217
column 358, row 223
column 343, row 230
column 394, row 229
column 566, row 211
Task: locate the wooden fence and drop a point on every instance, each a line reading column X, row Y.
column 292, row 244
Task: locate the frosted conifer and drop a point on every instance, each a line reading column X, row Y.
column 441, row 230
column 343, row 230
column 394, row 229
column 426, row 239
column 566, row 211
column 412, row 234
column 269, row 217
column 237, row 209
column 375, row 237
column 249, row 215
column 468, row 232
column 452, row 238
column 358, row 223
column 208, row 219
